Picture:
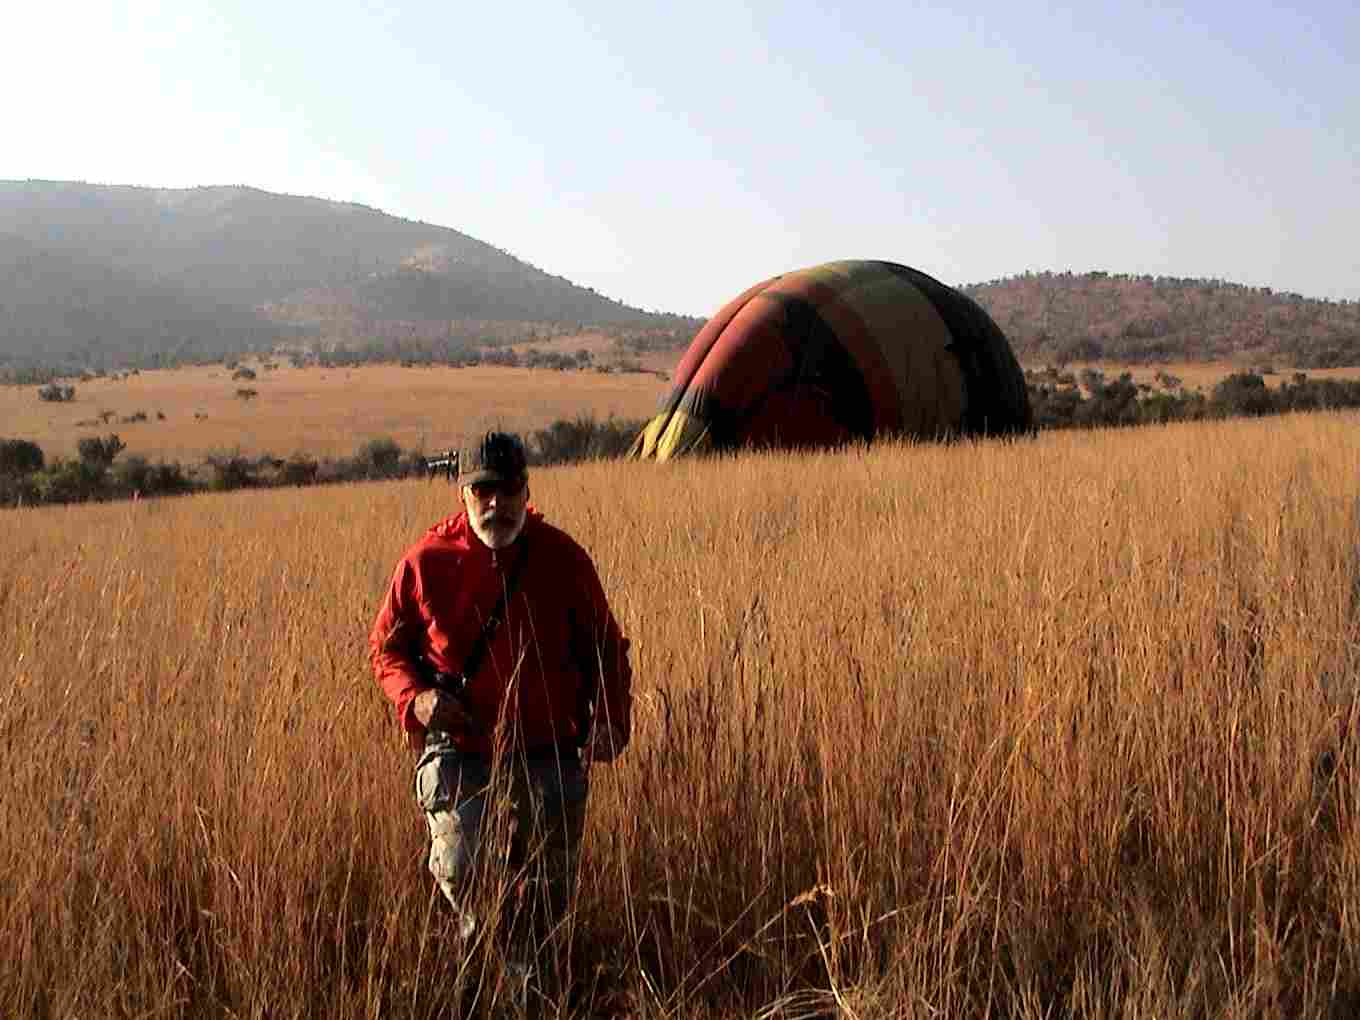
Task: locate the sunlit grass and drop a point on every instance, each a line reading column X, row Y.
column 975, row 730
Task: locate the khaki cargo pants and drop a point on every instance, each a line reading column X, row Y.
column 546, row 801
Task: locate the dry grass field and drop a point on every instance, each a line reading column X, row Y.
column 321, row 412
column 332, row 412
column 981, row 730
column 603, row 348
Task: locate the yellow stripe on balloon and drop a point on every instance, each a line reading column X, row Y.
column 671, row 435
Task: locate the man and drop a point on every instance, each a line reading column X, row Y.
column 508, row 672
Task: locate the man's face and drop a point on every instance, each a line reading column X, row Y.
column 496, row 510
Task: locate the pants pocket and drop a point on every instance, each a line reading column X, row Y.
column 436, row 780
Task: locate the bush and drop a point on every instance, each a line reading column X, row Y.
column 1243, row 393
column 232, row 472
column 299, row 469
column 166, row 479
column 1111, row 403
column 69, row 481
column 99, row 453
column 379, row 458
column 583, row 438
column 57, row 393
column 135, row 475
column 20, row 457
column 132, row 474
column 243, row 373
column 19, row 490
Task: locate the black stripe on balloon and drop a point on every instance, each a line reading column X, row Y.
column 997, row 399
column 820, row 361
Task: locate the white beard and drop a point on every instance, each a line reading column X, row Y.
column 497, row 533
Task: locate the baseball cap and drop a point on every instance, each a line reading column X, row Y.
column 497, row 457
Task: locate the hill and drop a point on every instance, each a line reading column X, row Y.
column 63, row 305
column 1099, row 316
column 102, row 276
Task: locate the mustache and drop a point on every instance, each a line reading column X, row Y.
column 493, row 517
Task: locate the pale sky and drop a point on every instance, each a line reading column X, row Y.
column 672, row 155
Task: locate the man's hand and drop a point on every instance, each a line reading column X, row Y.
column 605, row 744
column 436, row 710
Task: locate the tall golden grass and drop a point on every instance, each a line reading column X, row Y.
column 1052, row 728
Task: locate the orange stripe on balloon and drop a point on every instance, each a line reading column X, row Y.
column 744, row 358
column 703, row 342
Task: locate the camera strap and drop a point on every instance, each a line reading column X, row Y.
column 493, row 621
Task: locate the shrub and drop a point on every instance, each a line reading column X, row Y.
column 1243, row 393
column 379, row 457
column 99, row 453
column 166, row 479
column 18, row 490
column 69, row 481
column 1093, row 379
column 232, row 471
column 243, row 373
column 20, row 457
column 583, row 438
column 299, row 469
column 57, row 393
column 131, row 475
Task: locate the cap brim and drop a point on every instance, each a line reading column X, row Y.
column 487, row 475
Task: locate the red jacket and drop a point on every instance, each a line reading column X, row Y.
column 557, row 639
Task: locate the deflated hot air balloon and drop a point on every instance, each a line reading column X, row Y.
column 836, row 352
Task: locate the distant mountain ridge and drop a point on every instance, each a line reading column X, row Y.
column 1142, row 319
column 120, row 271
column 111, row 275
